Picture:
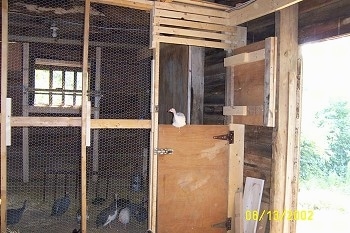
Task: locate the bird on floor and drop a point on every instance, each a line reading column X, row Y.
column 14, row 215
column 60, row 206
column 139, row 211
column 179, row 119
column 78, row 216
column 107, row 215
column 76, row 231
column 124, row 216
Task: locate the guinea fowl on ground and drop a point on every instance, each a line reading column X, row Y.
column 107, row 215
column 124, row 216
column 60, row 206
column 179, row 119
column 14, row 215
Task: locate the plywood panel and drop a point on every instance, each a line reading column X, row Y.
column 192, row 182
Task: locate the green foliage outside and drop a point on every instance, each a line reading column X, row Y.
column 329, row 167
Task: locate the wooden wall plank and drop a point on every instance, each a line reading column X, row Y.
column 173, row 81
column 193, row 42
column 244, row 58
column 192, row 9
column 3, row 147
column 195, row 25
column 283, row 147
column 197, row 84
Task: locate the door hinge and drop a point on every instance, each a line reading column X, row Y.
column 226, row 224
column 229, row 137
column 163, row 151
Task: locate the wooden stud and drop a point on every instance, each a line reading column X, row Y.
column 239, row 215
column 258, row 9
column 235, row 179
column 120, row 124
column 4, row 69
column 88, row 123
column 84, row 116
column 270, row 81
column 154, row 138
column 284, row 143
column 25, row 102
column 204, row 4
column 41, row 61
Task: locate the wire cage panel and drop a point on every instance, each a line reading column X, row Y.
column 45, row 82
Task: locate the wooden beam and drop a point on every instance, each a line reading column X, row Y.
column 84, row 121
column 25, row 102
column 120, row 124
column 283, row 138
column 50, row 62
column 245, row 58
column 259, row 8
column 47, row 40
column 235, row 110
column 134, row 4
column 3, row 147
column 76, row 122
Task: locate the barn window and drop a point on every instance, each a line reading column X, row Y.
column 57, row 83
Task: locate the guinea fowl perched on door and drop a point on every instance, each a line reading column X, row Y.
column 14, row 215
column 179, row 119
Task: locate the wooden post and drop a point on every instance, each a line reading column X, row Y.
column 284, row 143
column 96, row 113
column 152, row 205
column 25, row 137
column 84, row 115
column 4, row 68
column 196, row 69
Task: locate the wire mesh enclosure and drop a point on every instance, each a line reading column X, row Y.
column 45, row 80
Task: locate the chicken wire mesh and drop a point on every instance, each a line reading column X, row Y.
column 45, row 80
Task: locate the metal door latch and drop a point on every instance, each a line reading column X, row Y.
column 163, row 151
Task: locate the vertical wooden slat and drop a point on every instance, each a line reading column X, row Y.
column 84, row 115
column 96, row 113
column 283, row 147
column 4, row 67
column 25, row 137
column 8, row 121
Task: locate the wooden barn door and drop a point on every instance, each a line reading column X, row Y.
column 192, row 192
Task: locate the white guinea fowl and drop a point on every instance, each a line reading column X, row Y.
column 179, row 119
column 124, row 216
